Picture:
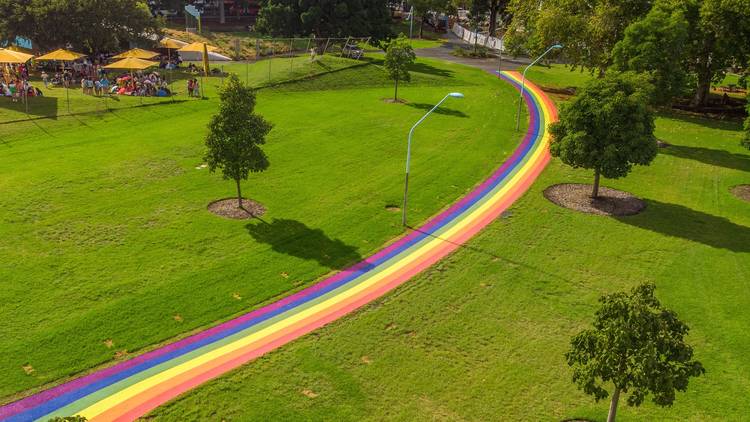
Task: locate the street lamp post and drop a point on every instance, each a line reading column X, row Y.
column 408, row 151
column 523, row 82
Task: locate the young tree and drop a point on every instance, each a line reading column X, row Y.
column 608, row 127
column 638, row 346
column 236, row 134
column 398, row 57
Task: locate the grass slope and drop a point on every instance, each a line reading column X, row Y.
column 107, row 247
column 481, row 335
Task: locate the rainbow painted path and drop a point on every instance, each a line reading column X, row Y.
column 132, row 388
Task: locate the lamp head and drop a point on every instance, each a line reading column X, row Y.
column 456, row 95
column 557, row 46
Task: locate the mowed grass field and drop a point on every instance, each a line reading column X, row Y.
column 481, row 336
column 106, row 245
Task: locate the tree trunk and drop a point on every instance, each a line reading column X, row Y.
column 395, row 93
column 494, row 5
column 701, row 93
column 613, row 405
column 421, row 26
column 239, row 193
column 595, row 192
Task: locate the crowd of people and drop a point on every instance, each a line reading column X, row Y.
column 15, row 83
column 90, row 74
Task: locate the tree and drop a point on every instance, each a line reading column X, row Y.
column 495, row 7
column 638, row 346
column 607, row 127
column 423, row 7
column 236, row 134
column 325, row 18
column 91, row 26
column 720, row 38
column 656, row 45
column 477, row 12
column 717, row 37
column 589, row 29
column 398, row 57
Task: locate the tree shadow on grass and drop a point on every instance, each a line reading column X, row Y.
column 430, row 70
column 38, row 106
column 714, row 157
column 679, row 221
column 439, row 110
column 294, row 238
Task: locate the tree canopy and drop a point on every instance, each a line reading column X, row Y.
column 325, row 18
column 607, row 127
column 236, row 134
column 398, row 57
column 90, row 26
column 636, row 345
column 589, row 29
column 655, row 45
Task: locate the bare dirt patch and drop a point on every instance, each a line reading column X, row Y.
column 742, row 192
column 229, row 208
column 309, row 393
column 392, row 101
column 611, row 202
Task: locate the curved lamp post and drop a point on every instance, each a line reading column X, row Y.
column 523, row 82
column 408, row 150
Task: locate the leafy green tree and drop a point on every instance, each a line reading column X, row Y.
column 325, row 18
column 638, row 346
column 398, row 57
column 589, row 29
column 90, row 26
column 236, row 134
column 718, row 37
column 656, row 45
column 608, row 127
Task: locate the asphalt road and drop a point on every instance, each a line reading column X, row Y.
column 491, row 65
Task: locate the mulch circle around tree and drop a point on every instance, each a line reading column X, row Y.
column 229, row 208
column 742, row 192
column 611, row 202
column 392, row 101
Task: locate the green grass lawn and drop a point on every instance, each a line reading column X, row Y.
column 107, row 246
column 481, row 335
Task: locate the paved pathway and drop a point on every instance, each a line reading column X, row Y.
column 491, row 65
column 132, row 388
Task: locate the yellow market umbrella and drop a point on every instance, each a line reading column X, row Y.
column 171, row 44
column 198, row 47
column 14, row 57
column 62, row 56
column 137, row 53
column 131, row 63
